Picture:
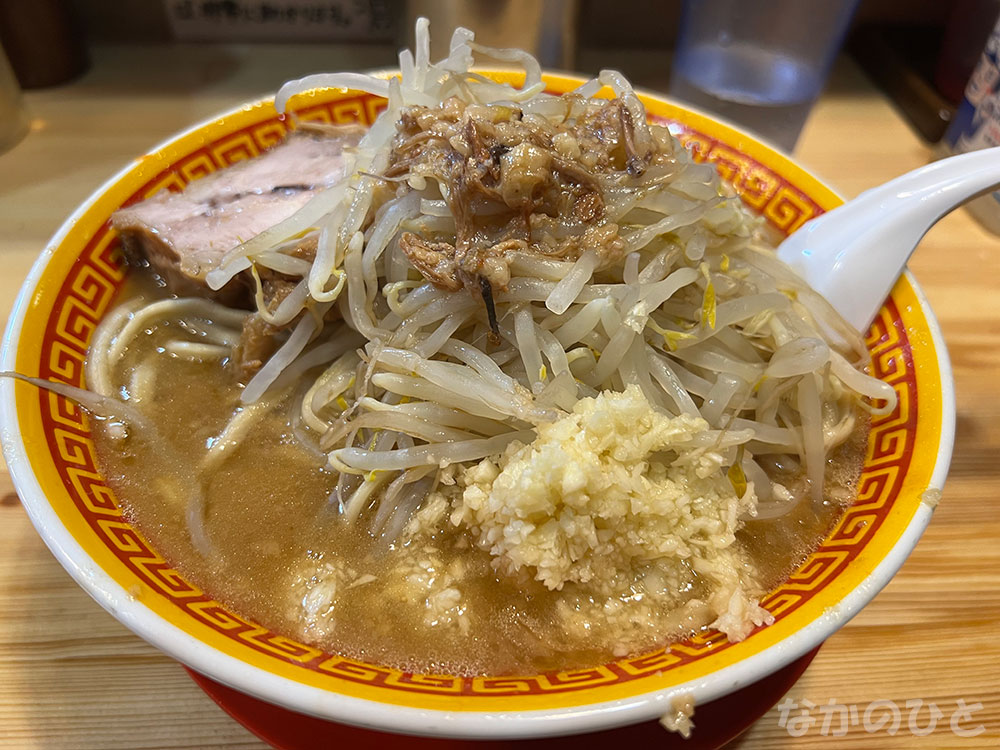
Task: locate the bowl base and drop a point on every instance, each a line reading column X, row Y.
column 716, row 723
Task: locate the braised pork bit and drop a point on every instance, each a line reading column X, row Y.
column 262, row 334
column 182, row 236
column 517, row 182
column 261, row 338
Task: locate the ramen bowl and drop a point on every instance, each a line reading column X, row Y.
column 51, row 457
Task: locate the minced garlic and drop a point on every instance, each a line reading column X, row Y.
column 610, row 493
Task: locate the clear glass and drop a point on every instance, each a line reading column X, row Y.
column 758, row 63
column 13, row 119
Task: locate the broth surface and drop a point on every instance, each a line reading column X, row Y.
column 283, row 558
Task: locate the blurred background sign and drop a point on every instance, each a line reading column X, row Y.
column 919, row 52
column 279, row 20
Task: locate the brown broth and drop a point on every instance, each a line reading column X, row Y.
column 270, row 521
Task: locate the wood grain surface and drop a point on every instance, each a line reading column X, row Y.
column 72, row 677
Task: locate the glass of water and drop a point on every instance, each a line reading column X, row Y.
column 758, row 63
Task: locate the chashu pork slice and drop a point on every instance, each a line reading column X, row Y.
column 183, row 236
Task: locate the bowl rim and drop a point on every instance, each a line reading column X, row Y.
column 469, row 724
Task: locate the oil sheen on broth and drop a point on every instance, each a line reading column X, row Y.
column 279, row 547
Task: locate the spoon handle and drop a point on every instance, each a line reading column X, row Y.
column 853, row 254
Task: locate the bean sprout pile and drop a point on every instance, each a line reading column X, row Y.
column 498, row 253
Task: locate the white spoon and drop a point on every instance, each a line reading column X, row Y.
column 854, row 254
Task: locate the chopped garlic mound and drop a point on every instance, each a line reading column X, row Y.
column 613, row 495
column 613, row 484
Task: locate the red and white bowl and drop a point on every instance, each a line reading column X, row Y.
column 51, row 457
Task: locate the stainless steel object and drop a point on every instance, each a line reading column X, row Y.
column 546, row 28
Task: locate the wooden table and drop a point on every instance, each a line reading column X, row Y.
column 72, row 677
